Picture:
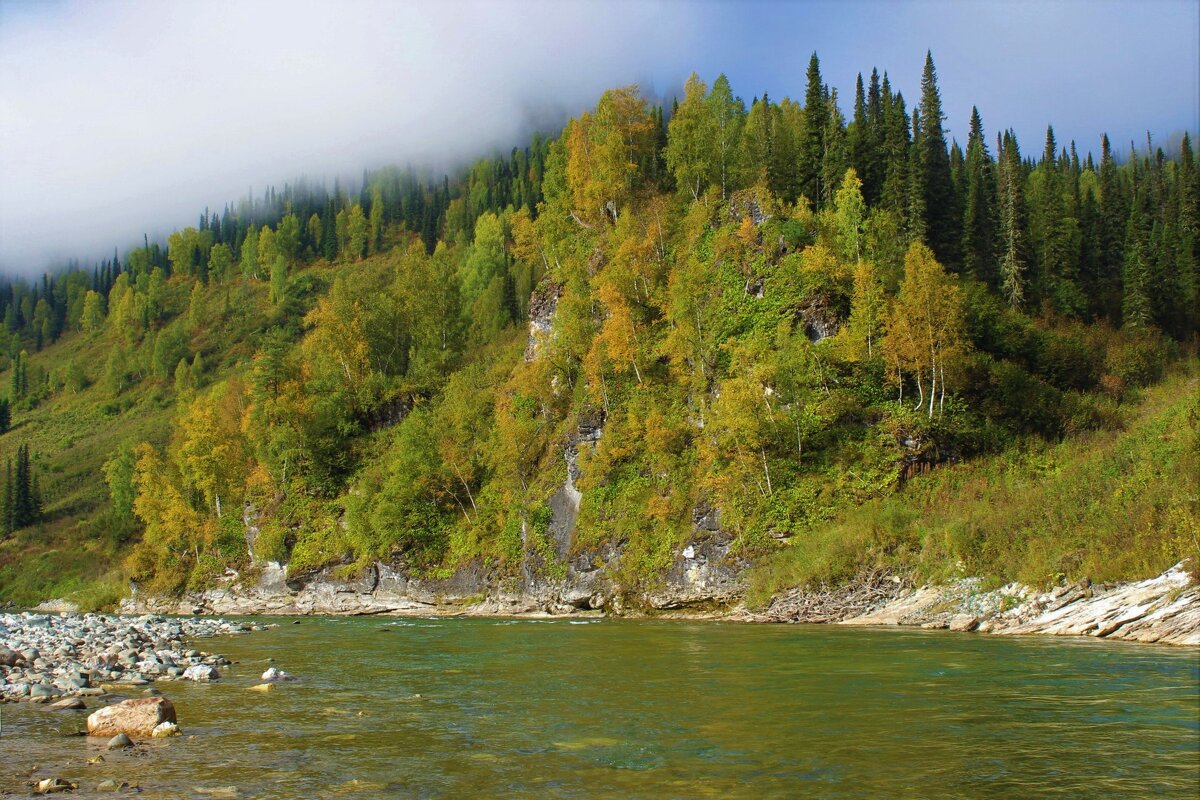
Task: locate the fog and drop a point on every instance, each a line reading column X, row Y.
column 131, row 116
column 121, row 119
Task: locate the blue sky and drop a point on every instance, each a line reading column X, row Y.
column 118, row 118
column 1085, row 67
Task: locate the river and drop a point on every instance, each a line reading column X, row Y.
column 430, row 708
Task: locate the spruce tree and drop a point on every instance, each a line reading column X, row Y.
column 940, row 204
column 812, row 145
column 7, row 500
column 834, row 158
column 1113, row 216
column 979, row 214
column 1011, row 203
column 1136, row 312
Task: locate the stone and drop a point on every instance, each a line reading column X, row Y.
column 273, row 675
column 201, row 672
column 964, row 623
column 135, row 717
column 119, row 742
column 53, row 785
column 261, row 687
column 109, row 786
column 9, row 657
column 164, row 730
column 68, row 704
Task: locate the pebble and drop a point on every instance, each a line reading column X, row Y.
column 47, row 656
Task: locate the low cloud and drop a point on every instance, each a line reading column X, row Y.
column 119, row 119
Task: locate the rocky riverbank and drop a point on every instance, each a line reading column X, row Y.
column 1164, row 609
column 705, row 584
column 49, row 657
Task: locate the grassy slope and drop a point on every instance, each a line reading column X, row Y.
column 1106, row 505
column 72, row 435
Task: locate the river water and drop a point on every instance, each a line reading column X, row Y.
column 431, row 708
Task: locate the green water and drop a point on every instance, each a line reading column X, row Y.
column 653, row 710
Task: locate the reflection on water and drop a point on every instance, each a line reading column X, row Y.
column 502, row 708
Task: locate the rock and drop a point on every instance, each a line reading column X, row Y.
column 43, row 692
column 109, row 786
column 964, row 623
column 135, row 717
column 52, row 785
column 9, row 658
column 273, row 675
column 201, row 672
column 68, row 704
column 119, row 742
column 261, row 687
column 164, row 730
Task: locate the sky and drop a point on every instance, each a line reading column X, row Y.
column 124, row 117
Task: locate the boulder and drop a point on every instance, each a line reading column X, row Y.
column 135, row 717
column 201, row 672
column 964, row 623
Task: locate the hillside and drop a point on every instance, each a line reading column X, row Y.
column 837, row 346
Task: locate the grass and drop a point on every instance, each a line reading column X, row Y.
column 1109, row 505
column 71, row 435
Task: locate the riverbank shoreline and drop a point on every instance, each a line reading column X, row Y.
column 1164, row 609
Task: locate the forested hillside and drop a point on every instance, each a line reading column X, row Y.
column 783, row 316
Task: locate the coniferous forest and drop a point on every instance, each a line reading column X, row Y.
column 852, row 340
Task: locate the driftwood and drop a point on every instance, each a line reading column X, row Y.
column 871, row 589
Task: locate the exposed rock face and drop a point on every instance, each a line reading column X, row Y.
column 132, row 717
column 542, row 305
column 564, row 504
column 820, row 319
column 705, row 574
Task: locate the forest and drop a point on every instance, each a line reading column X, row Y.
column 859, row 343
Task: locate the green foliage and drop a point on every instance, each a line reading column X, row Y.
column 737, row 312
column 1110, row 505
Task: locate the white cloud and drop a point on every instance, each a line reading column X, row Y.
column 120, row 118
